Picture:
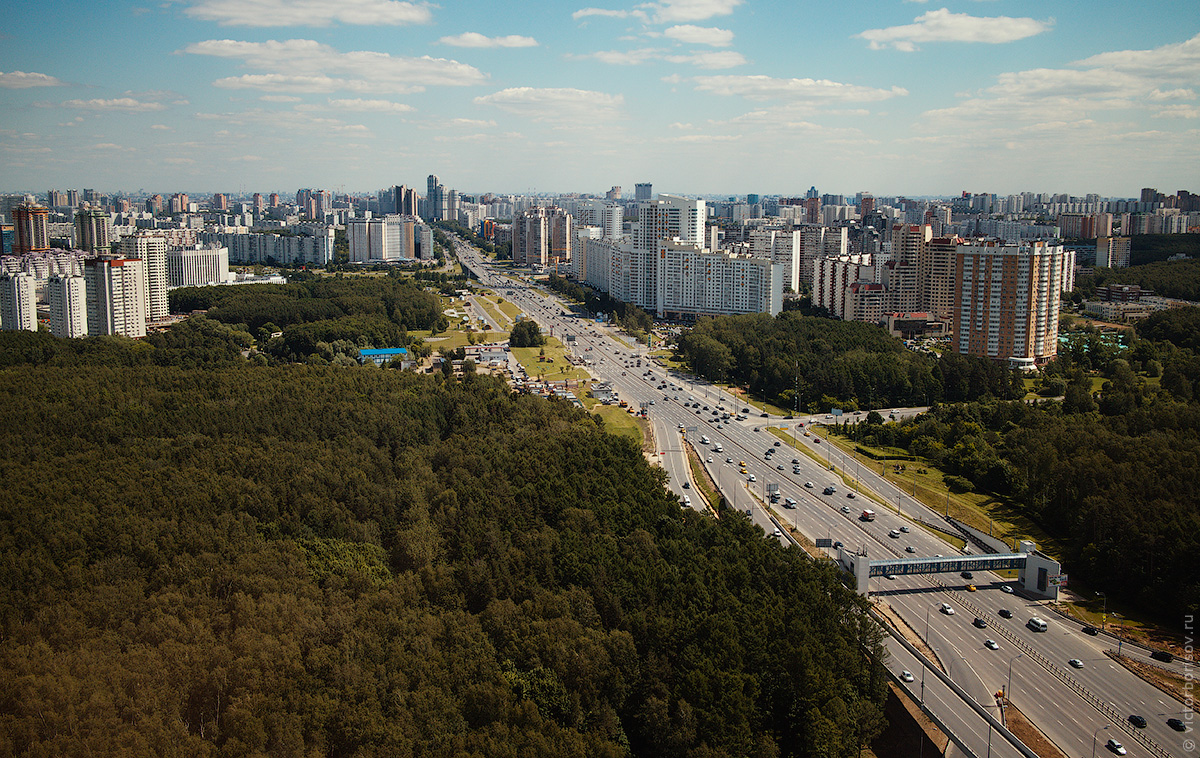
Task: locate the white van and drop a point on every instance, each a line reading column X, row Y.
column 687, row 501
column 1036, row 624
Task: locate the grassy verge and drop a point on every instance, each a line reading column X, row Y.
column 559, row 370
column 704, row 485
column 620, row 423
column 1083, row 603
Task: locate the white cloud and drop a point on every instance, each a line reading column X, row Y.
column 670, row 11
column 759, row 87
column 472, row 122
column 710, row 60
column 714, row 59
column 280, row 98
column 944, row 26
column 310, row 12
column 127, row 104
column 1180, row 60
column 1178, row 111
column 300, row 65
column 558, row 104
column 297, row 121
column 370, row 106
column 1175, row 94
column 161, row 127
column 705, row 138
column 475, row 39
column 26, row 79
column 699, row 35
column 603, row 12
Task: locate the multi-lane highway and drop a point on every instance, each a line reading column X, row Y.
column 1071, row 705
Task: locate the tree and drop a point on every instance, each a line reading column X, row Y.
column 525, row 333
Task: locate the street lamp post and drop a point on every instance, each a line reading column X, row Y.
column 1094, row 735
column 1008, row 688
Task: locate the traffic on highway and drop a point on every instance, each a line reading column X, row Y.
column 993, row 643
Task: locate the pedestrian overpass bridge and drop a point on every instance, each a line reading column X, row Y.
column 1038, row 574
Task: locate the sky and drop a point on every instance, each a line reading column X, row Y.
column 696, row 96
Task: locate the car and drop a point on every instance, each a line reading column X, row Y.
column 909, row 549
column 756, row 428
column 991, row 645
column 1004, row 613
column 891, row 577
column 967, row 575
column 777, row 534
column 1007, row 590
column 894, row 534
column 729, row 460
column 751, row 478
column 709, row 459
column 1162, row 655
column 906, row 676
column 851, row 495
column 795, row 461
column 680, row 425
column 686, row 485
column 817, row 440
column 809, row 485
column 779, row 467
column 836, row 545
column 765, row 415
column 743, row 470
column 971, row 588
column 904, row 529
column 1075, row 663
column 1091, row 631
column 980, row 623
column 789, row 502
column 1138, row 721
column 776, row 443
column 742, row 463
column 845, row 509
column 947, row 609
column 745, row 410
column 1177, row 725
column 796, row 470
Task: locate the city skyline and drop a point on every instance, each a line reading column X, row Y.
column 697, row 96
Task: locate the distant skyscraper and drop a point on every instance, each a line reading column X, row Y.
column 93, row 230
column 435, row 199
column 31, row 224
column 151, row 249
column 220, row 202
column 67, row 296
column 540, row 236
column 382, row 239
column 614, row 193
column 18, row 302
column 197, row 266
column 116, row 296
column 643, row 191
column 259, row 204
column 867, row 206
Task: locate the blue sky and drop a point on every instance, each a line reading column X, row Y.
column 696, row 96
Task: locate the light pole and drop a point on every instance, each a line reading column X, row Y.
column 1103, row 618
column 1008, row 688
column 1094, row 735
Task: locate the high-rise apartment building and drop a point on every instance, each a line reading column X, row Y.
column 541, row 236
column 151, row 249
column 600, row 213
column 903, row 272
column 832, row 277
column 93, row 230
column 1007, row 300
column 614, row 193
column 935, row 273
column 643, row 191
column 435, row 199
column 18, row 302
column 1112, row 252
column 663, row 218
column 693, row 282
column 197, row 266
column 67, row 296
column 31, row 224
column 116, row 296
column 387, row 239
column 783, row 247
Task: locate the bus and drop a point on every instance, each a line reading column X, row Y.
column 867, row 515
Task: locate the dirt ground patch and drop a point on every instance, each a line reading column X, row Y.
column 909, row 731
column 1026, row 732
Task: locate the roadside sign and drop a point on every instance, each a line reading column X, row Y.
column 824, row 542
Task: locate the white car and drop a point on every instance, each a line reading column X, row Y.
column 991, row 645
column 1075, row 663
column 906, row 676
column 1116, row 747
column 947, row 609
column 809, row 485
column 1006, row 589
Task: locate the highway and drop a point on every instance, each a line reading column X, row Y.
column 1071, row 706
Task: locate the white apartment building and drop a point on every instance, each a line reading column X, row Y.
column 116, row 296
column 197, row 266
column 18, row 302
column 832, row 277
column 663, row 218
column 783, row 247
column 67, row 296
column 541, row 236
column 604, row 214
column 383, row 239
column 693, row 282
column 151, row 249
column 579, row 260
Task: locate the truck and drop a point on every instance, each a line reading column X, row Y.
column 867, row 515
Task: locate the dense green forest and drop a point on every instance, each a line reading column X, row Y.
column 1151, row 248
column 1107, row 473
column 363, row 311
column 1179, row 279
column 838, row 363
column 207, row 557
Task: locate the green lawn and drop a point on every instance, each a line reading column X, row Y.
column 559, row 370
column 619, row 422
